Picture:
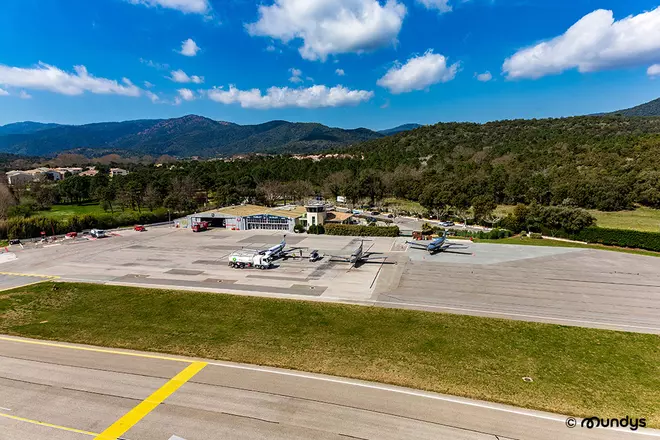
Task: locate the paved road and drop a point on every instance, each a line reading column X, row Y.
column 68, row 392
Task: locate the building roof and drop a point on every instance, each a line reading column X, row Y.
column 334, row 216
column 248, row 210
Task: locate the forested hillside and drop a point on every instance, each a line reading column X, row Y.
column 651, row 108
column 184, row 137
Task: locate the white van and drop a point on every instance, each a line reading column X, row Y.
column 97, row 233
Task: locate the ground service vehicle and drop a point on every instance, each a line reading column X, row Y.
column 249, row 259
column 72, row 234
column 313, row 256
column 139, row 228
column 200, row 226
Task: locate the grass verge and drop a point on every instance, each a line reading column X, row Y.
column 556, row 243
column 577, row 371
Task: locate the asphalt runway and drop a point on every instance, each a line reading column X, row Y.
column 68, row 392
column 568, row 286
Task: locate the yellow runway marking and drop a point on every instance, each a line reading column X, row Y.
column 13, row 274
column 97, row 350
column 48, row 425
column 121, row 426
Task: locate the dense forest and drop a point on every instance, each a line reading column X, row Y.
column 606, row 163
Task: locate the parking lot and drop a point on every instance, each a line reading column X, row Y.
column 546, row 284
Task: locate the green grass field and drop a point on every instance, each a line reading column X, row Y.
column 66, row 211
column 556, row 243
column 393, row 203
column 641, row 219
column 576, row 371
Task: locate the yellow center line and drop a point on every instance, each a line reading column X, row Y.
column 48, row 425
column 14, row 274
column 97, row 350
column 121, row 426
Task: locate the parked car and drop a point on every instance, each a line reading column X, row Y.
column 72, row 234
column 14, row 241
column 199, row 227
column 139, row 228
column 446, row 224
column 97, row 233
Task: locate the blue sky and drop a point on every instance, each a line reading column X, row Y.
column 250, row 62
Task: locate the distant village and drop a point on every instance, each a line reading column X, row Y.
column 41, row 174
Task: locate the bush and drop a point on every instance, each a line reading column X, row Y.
column 18, row 227
column 536, row 236
column 298, row 229
column 362, row 231
column 494, row 234
column 316, row 229
column 619, row 237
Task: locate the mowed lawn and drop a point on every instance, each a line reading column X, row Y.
column 576, row 371
column 641, row 219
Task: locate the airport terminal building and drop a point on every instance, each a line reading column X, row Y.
column 253, row 217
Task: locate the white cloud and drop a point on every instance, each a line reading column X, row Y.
column 595, row 42
column 154, row 64
column 653, row 71
column 340, row 72
column 295, row 75
column 484, row 77
column 180, row 76
column 3, row 92
column 151, row 95
column 50, row 78
column 186, row 94
column 331, row 26
column 186, row 6
column 418, row 73
column 281, row 97
column 24, row 95
column 439, row 5
column 189, row 48
column 148, row 85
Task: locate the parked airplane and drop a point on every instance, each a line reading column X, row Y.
column 357, row 257
column 439, row 244
column 278, row 251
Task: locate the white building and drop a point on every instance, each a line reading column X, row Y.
column 117, row 172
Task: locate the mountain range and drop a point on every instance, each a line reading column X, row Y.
column 399, row 129
column 184, row 137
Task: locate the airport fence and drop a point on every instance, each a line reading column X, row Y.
column 362, row 231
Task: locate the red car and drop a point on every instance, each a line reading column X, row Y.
column 139, row 228
column 71, row 234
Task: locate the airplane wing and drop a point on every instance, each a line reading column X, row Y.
column 337, row 258
column 412, row 244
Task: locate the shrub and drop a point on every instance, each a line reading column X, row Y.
column 536, row 236
column 316, row 229
column 362, row 231
column 619, row 237
column 298, row 229
column 494, row 234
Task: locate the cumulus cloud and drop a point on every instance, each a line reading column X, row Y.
column 189, row 48
column 180, row 76
column 50, row 78
column 340, row 72
column 653, row 71
column 331, row 26
column 185, row 6
column 295, row 75
column 418, row 73
column 484, row 77
column 280, row 97
column 439, row 5
column 595, row 42
column 186, row 94
column 3, row 92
